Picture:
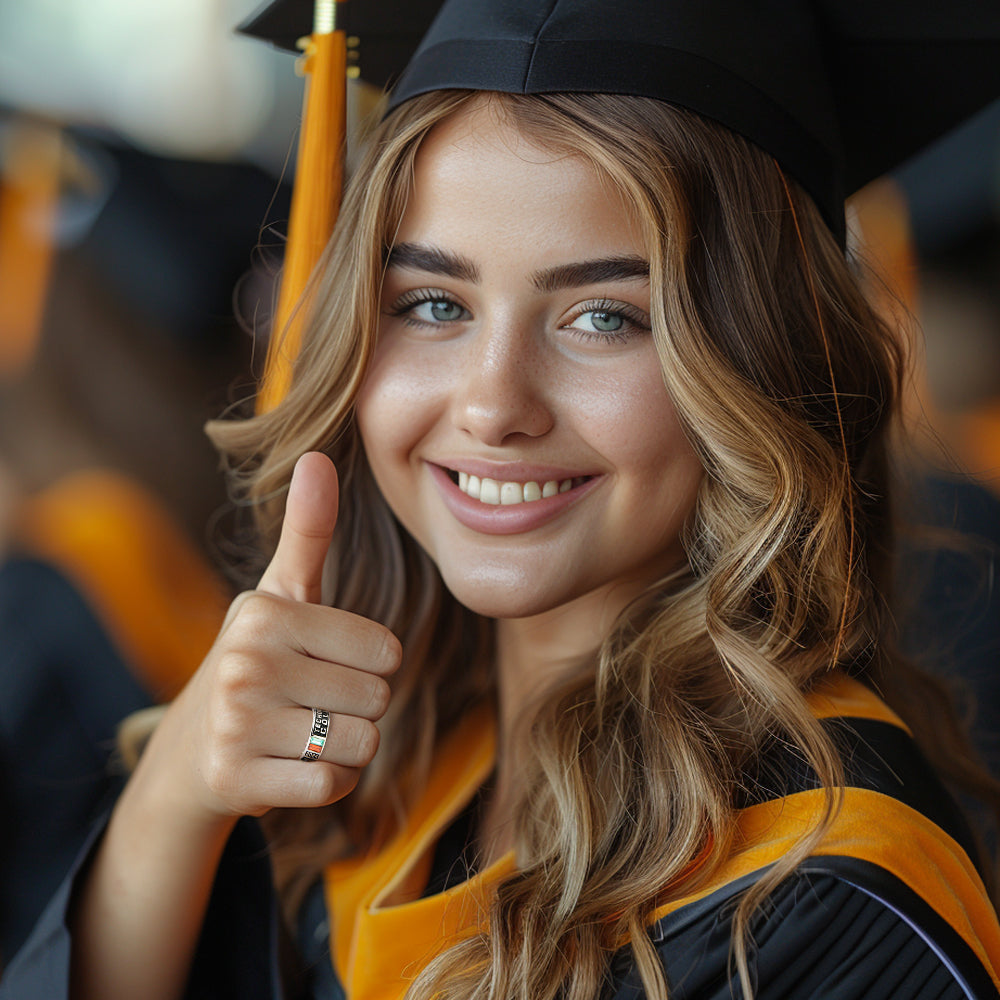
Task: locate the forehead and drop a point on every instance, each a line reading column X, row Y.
column 478, row 173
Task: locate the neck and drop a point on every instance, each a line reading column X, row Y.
column 537, row 652
column 534, row 654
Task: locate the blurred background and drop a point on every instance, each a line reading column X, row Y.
column 145, row 154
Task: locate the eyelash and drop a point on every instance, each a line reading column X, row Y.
column 635, row 318
column 408, row 301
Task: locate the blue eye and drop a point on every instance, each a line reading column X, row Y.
column 599, row 321
column 439, row 311
column 428, row 308
column 608, row 321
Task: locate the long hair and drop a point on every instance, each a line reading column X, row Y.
column 787, row 383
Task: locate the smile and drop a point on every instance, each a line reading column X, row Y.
column 509, row 493
column 494, row 506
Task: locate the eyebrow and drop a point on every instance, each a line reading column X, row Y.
column 420, row 257
column 589, row 272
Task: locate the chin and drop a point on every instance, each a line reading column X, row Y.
column 503, row 598
column 493, row 605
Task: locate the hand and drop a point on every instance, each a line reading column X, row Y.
column 230, row 744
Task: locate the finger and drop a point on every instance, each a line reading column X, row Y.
column 259, row 622
column 296, row 570
column 350, row 741
column 345, row 690
column 277, row 783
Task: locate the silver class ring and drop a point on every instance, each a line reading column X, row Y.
column 318, row 734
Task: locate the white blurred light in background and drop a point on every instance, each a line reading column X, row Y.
column 172, row 77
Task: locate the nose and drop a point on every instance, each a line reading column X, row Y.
column 500, row 389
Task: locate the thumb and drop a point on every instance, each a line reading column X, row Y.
column 296, row 569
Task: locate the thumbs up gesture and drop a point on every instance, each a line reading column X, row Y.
column 236, row 734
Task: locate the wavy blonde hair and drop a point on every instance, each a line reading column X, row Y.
column 787, row 383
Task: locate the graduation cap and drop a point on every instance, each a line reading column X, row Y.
column 837, row 91
column 381, row 36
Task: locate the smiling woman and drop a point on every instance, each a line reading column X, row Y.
column 492, row 369
column 687, row 604
column 581, row 491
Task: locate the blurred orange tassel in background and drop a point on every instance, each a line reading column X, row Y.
column 29, row 196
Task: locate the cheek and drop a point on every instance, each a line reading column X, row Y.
column 633, row 422
column 396, row 404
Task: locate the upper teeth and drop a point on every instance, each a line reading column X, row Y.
column 488, row 490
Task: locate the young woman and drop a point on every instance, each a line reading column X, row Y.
column 608, row 563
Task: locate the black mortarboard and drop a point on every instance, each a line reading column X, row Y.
column 838, row 91
column 382, row 34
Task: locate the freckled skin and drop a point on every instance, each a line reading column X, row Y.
column 516, row 380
